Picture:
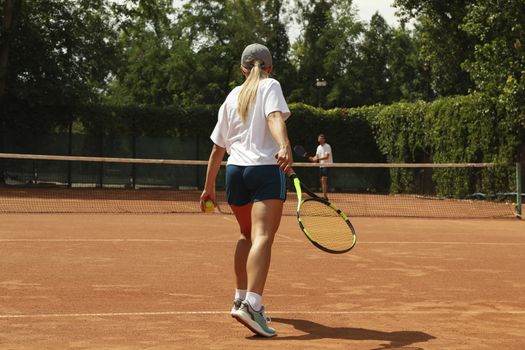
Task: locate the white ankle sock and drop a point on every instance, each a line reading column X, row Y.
column 255, row 300
column 240, row 294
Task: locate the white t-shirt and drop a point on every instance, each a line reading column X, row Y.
column 250, row 142
column 322, row 151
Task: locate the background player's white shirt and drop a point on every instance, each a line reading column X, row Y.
column 322, row 151
column 250, row 142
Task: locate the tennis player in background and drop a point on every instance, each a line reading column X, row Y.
column 323, row 155
column 251, row 129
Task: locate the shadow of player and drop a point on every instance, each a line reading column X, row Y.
column 397, row 339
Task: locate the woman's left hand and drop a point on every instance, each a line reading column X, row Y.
column 207, row 195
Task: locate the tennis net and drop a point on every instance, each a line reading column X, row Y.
column 71, row 184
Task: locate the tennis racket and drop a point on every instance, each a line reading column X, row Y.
column 325, row 225
column 300, row 151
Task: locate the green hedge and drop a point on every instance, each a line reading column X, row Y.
column 473, row 128
column 462, row 129
column 348, row 131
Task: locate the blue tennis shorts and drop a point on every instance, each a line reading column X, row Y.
column 248, row 184
column 324, row 171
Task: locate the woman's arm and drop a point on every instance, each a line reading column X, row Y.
column 214, row 164
column 278, row 130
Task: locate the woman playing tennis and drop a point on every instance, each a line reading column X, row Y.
column 251, row 129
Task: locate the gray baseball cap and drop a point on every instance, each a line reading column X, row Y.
column 256, row 52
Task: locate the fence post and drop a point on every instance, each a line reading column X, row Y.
column 133, row 151
column 69, row 151
column 101, row 154
column 3, row 111
column 197, row 152
column 518, row 190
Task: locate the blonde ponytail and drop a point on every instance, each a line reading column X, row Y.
column 249, row 90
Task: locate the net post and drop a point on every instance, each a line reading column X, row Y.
column 101, row 154
column 133, row 151
column 197, row 151
column 69, row 151
column 3, row 114
column 518, row 190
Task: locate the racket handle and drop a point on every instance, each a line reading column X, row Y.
column 291, row 173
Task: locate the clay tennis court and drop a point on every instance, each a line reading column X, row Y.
column 122, row 281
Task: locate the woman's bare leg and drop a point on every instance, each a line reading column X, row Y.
column 244, row 243
column 266, row 217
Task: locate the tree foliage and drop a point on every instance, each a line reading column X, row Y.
column 498, row 64
column 60, row 51
column 194, row 59
column 499, row 54
column 374, row 53
column 150, row 54
column 327, row 51
column 444, row 46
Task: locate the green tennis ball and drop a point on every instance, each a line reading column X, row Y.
column 209, row 206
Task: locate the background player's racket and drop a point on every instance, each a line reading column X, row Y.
column 300, row 151
column 325, row 225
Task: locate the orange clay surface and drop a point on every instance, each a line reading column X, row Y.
column 88, row 281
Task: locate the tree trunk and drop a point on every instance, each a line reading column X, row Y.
column 7, row 26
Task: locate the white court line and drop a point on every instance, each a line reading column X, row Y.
column 29, row 240
column 183, row 313
column 452, row 243
column 290, row 238
column 227, row 218
column 146, row 240
column 108, row 240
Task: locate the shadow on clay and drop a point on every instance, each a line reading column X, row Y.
column 394, row 340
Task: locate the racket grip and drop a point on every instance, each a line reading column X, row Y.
column 290, row 171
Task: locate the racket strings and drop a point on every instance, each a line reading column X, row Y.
column 326, row 226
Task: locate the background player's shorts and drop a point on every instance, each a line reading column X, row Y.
column 248, row 184
column 324, row 171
